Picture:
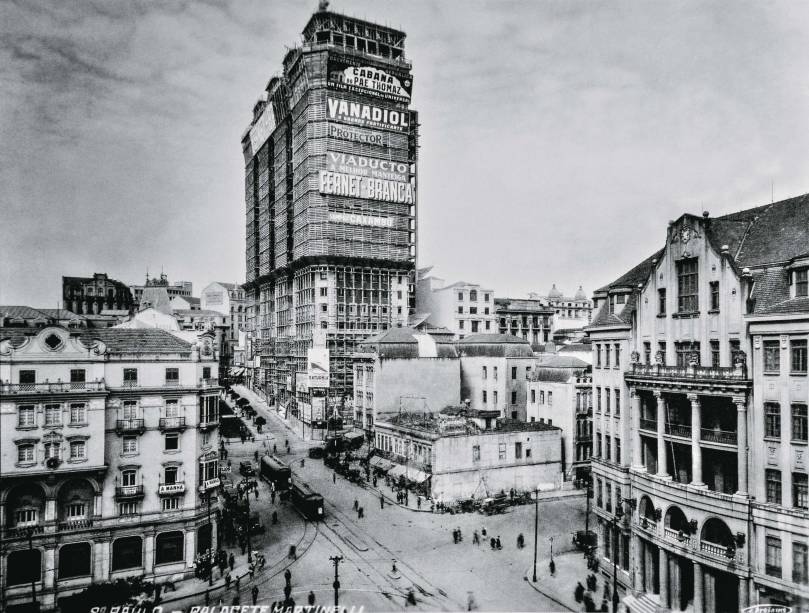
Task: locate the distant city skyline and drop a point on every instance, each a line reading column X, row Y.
column 557, row 137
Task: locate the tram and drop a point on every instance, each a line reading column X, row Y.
column 276, row 471
column 307, row 501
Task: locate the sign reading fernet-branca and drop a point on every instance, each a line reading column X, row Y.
column 367, row 115
column 350, row 74
column 317, row 366
column 363, row 166
column 341, row 184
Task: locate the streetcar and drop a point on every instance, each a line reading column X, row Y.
column 277, row 472
column 307, row 501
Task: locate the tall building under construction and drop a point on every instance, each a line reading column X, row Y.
column 330, row 192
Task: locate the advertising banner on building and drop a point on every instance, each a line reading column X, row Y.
column 318, row 407
column 262, row 129
column 364, row 166
column 301, row 382
column 367, row 115
column 355, row 219
column 359, row 135
column 341, row 184
column 318, row 367
column 355, row 75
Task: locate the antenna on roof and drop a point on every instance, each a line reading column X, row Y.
column 772, row 191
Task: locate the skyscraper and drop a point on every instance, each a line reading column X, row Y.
column 330, row 192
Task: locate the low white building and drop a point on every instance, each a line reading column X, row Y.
column 109, row 451
column 464, row 308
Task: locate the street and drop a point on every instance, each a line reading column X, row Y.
column 441, row 574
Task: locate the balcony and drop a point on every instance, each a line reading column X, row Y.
column 683, row 430
column 207, row 424
column 170, row 489
column 130, row 426
column 209, row 382
column 171, row 383
column 22, row 531
column 648, row 424
column 169, row 424
column 51, row 388
column 723, row 437
column 710, row 373
column 209, row 484
column 75, row 524
column 129, row 492
column 678, row 536
column 720, row 552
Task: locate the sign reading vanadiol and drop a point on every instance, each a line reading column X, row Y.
column 367, row 115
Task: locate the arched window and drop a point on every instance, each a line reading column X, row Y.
column 169, row 547
column 127, row 552
column 74, row 560
column 24, row 566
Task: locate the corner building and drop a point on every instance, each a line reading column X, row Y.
column 330, row 192
column 699, row 381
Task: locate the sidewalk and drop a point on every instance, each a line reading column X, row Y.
column 571, row 567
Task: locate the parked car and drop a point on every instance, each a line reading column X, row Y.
column 256, row 527
column 246, row 469
column 584, row 541
column 493, row 506
column 315, row 452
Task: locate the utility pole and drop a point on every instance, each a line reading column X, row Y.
column 210, row 549
column 30, row 531
column 245, row 487
column 336, row 585
column 536, row 529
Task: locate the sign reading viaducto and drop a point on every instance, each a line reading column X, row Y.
column 367, row 166
column 356, row 75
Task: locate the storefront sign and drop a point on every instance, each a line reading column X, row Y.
column 318, row 366
column 361, row 220
column 171, row 488
column 364, row 166
column 340, row 184
column 367, row 115
column 359, row 135
column 209, row 484
column 354, row 75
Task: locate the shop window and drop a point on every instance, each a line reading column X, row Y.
column 24, row 566
column 74, row 560
column 169, row 547
column 127, row 552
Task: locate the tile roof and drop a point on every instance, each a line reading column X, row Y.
column 636, row 275
column 129, row 340
column 22, row 312
column 605, row 318
column 60, row 314
column 771, row 296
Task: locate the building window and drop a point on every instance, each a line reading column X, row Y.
column 28, row 379
column 77, row 375
column 513, row 373
column 773, row 564
column 798, row 351
column 599, row 494
column 129, row 410
column 550, row 398
column 608, row 498
column 598, row 356
column 53, row 415
column 127, row 552
column 714, row 295
column 130, row 444
column 173, row 503
column 460, row 296
column 172, row 442
column 24, row 566
column 501, row 451
column 26, row 416
column 170, row 475
column 494, row 397
column 800, row 491
column 513, row 397
column 25, row 453
column 607, row 400
column 772, row 357
column 772, row 420
column 661, row 301
column 715, row 354
column 473, row 295
column 541, row 397
column 647, row 353
column 617, row 402
column 617, row 450
column 598, row 400
column 172, row 408
column 475, row 325
column 484, row 396
column 460, row 310
column 476, row 453
column 129, row 477
column 74, row 560
column 488, row 325
column 661, row 347
column 460, row 324
column 533, row 396
column 324, row 291
column 485, row 372
column 78, row 413
column 473, row 310
column 494, row 373
column 606, row 356
column 617, row 356
column 518, row 451
column 78, row 450
column 52, row 450
column 130, row 377
column 799, row 422
column 773, row 478
column 800, row 563
column 802, row 282
column 169, row 547
column 608, row 448
column 598, row 444
column 687, row 286
column 685, row 351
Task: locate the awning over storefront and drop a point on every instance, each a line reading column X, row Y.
column 396, row 470
column 417, row 476
column 236, row 372
column 380, row 463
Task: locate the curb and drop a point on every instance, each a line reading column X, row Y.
column 548, row 594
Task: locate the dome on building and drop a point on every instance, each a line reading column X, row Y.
column 580, row 295
column 554, row 293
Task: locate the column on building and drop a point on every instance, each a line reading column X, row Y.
column 148, row 554
column 49, row 567
column 102, row 555
column 650, row 568
column 190, row 540
column 696, row 450
column 637, row 455
column 709, row 585
column 699, row 602
column 639, row 583
column 662, row 463
column 741, row 445
column 664, row 578
column 50, row 507
column 675, row 581
column 743, row 592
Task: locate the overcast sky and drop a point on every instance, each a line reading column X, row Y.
column 558, row 138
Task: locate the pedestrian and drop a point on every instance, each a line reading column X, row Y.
column 606, row 590
column 454, row 537
column 274, row 449
column 471, row 605
column 302, row 462
column 256, row 488
column 238, row 582
column 520, row 541
column 237, row 600
column 272, row 496
column 475, row 538
column 262, row 561
column 578, row 593
column 311, row 599
column 254, row 591
column 381, row 501
column 589, row 605
column 207, row 598
column 604, row 607
column 483, row 532
column 252, row 570
column 411, row 597
column 334, row 477
column 499, row 546
column 493, row 544
column 231, row 561
column 293, row 554
column 407, row 498
column 360, row 513
column 418, row 503
column 255, row 455
column 460, row 536
column 274, row 517
column 356, row 504
column 552, row 567
column 374, row 480
column 227, row 581
column 288, row 576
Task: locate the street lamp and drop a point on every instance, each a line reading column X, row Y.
column 542, row 487
column 619, row 514
column 29, row 531
column 244, row 486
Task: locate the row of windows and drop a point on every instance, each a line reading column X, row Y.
column 541, row 397
column 502, row 452
column 772, row 421
column 473, row 310
column 27, row 452
column 608, row 395
column 475, row 325
column 514, row 372
column 611, row 448
column 800, row 560
column 800, row 488
column 473, row 296
column 78, row 375
column 798, row 356
column 53, row 415
column 608, row 351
